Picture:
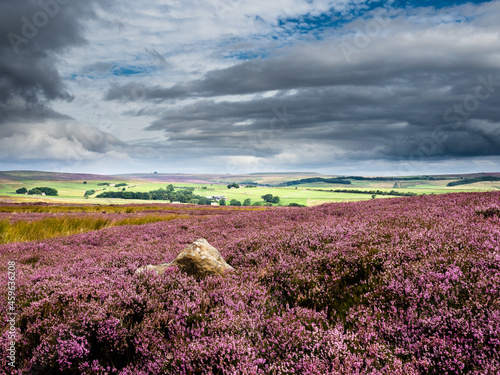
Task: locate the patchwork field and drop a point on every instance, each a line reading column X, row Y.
column 72, row 187
column 392, row 286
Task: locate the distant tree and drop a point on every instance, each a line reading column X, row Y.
column 257, row 204
column 234, row 202
column 275, row 199
column 204, row 200
column 34, row 192
column 123, row 189
column 247, row 202
column 170, row 188
column 222, row 202
column 193, row 201
column 295, row 205
column 121, row 184
column 89, row 192
column 373, row 196
column 233, row 185
column 48, row 191
column 267, row 197
column 23, row 190
column 85, row 182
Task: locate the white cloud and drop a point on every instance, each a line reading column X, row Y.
column 57, row 140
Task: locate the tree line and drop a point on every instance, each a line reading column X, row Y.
column 467, row 181
column 38, row 191
column 346, row 179
column 168, row 194
column 335, row 180
column 373, row 192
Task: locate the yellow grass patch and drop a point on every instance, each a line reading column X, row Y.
column 67, row 225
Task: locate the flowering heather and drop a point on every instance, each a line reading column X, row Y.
column 390, row 286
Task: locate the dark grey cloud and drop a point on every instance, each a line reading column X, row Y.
column 422, row 92
column 32, row 33
column 392, row 121
column 33, row 36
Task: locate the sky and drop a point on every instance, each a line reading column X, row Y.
column 343, row 87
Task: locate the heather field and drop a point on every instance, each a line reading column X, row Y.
column 386, row 286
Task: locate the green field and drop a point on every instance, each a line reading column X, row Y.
column 72, row 190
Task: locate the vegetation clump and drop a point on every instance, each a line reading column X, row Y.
column 22, row 190
column 269, row 198
column 46, row 190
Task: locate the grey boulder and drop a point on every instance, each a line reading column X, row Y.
column 198, row 259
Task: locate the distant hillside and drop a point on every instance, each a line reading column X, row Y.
column 51, row 176
column 335, row 180
column 262, row 179
column 266, row 179
column 469, row 175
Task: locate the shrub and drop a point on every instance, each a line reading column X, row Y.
column 267, row 197
column 23, row 190
column 234, row 202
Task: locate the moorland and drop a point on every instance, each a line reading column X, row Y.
column 400, row 285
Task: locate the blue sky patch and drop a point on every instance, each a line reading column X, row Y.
column 130, row 70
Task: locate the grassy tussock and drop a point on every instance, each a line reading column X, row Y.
column 22, row 231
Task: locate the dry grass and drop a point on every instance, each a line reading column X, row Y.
column 67, row 225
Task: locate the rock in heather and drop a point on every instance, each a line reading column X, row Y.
column 198, row 259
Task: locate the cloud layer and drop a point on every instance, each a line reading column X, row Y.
column 333, row 86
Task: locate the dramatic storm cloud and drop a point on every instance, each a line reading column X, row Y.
column 395, row 87
column 35, row 34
